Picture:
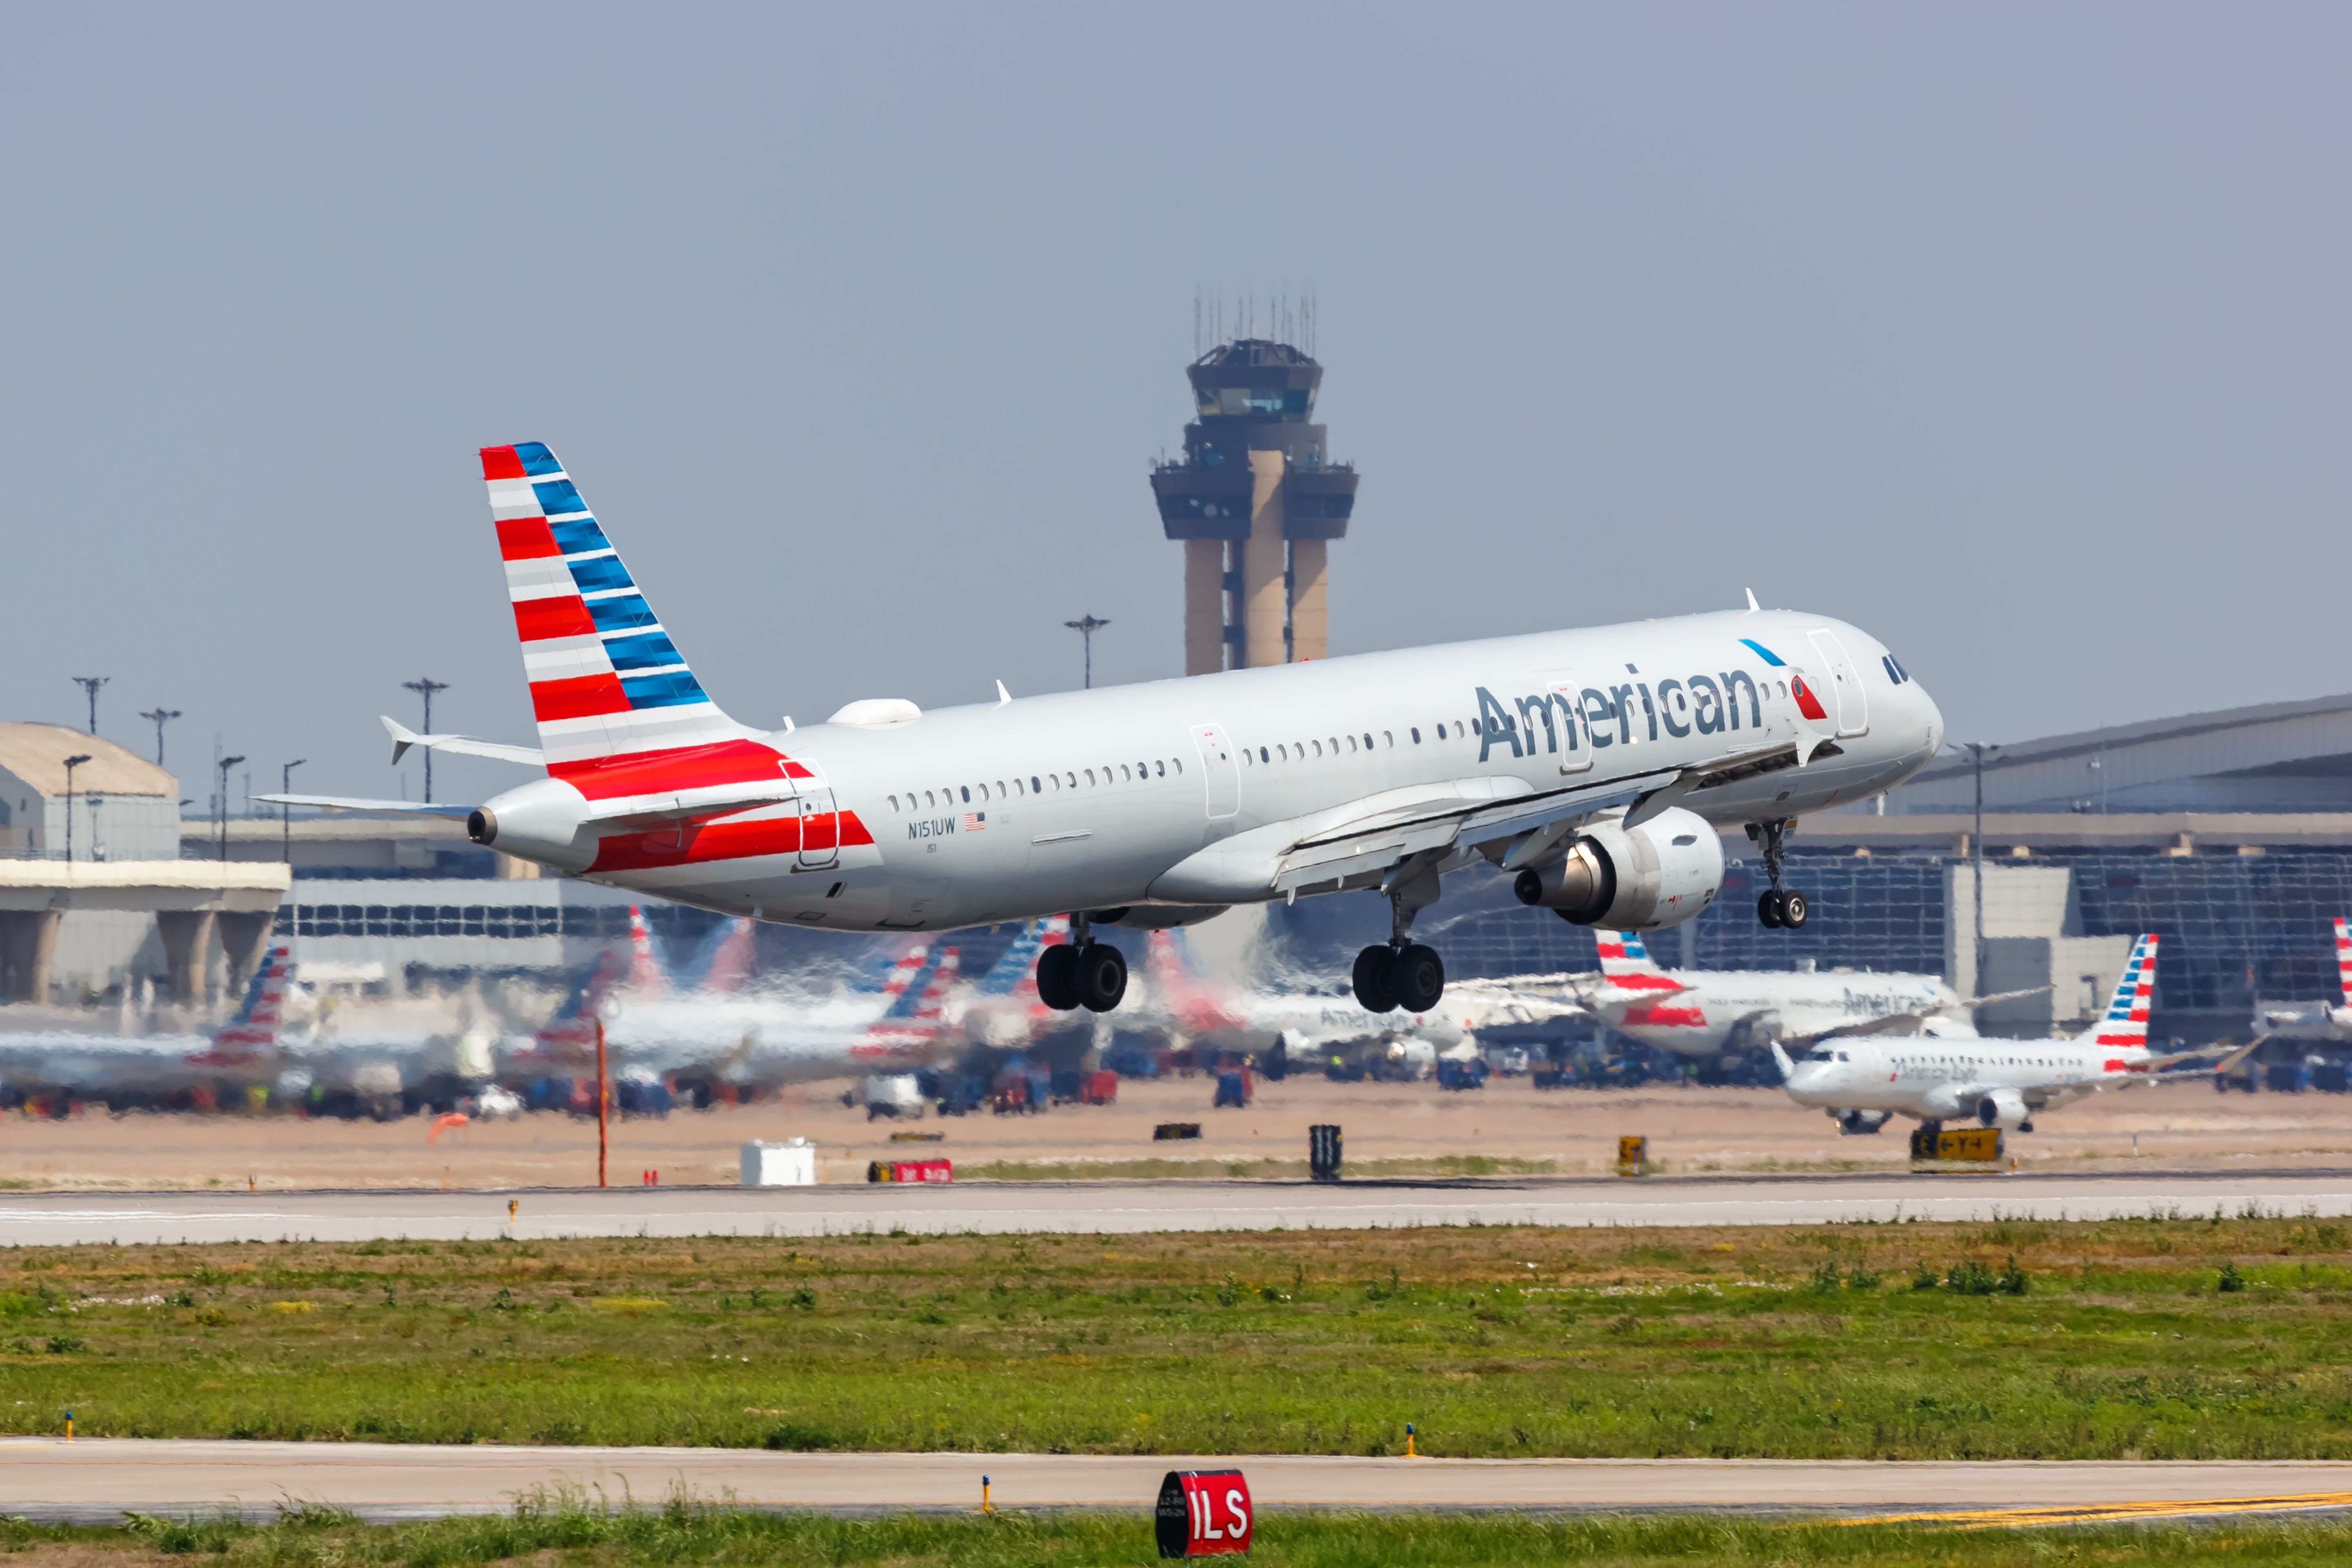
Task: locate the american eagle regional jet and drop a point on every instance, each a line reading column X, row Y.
column 1861, row 1078
column 1594, row 766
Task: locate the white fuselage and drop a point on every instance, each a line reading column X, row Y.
column 1942, row 1080
column 1717, row 1009
column 1187, row 791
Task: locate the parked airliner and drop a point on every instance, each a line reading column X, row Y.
column 1593, row 764
column 2317, row 1020
column 1704, row 1012
column 1995, row 1082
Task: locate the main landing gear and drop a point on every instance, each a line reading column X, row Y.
column 1401, row 973
column 1082, row 971
column 1778, row 907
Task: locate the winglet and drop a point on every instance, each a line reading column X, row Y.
column 402, row 737
column 1788, row 1068
column 1003, row 696
column 1752, row 605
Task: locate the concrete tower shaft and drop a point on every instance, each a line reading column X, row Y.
column 1255, row 502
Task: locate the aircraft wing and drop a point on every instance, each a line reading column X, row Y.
column 2155, row 1073
column 1387, row 839
column 1535, row 820
column 1912, row 1023
column 340, row 802
column 402, row 737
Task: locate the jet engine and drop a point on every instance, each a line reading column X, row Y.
column 2003, row 1108
column 1631, row 878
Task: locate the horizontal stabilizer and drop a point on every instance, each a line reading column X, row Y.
column 402, row 737
column 340, row 803
column 724, row 799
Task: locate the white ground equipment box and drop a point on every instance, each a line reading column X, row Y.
column 791, row 1165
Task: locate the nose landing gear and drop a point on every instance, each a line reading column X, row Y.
column 1082, row 973
column 1780, row 908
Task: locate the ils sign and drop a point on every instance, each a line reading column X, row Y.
column 1204, row 1514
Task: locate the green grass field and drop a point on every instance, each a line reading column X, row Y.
column 2163, row 1338
column 685, row 1535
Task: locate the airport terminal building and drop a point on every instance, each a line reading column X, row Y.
column 2230, row 834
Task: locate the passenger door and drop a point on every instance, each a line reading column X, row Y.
column 1218, row 767
column 1567, row 695
column 820, row 826
column 1845, row 685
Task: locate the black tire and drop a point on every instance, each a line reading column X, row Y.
column 1058, row 983
column 1768, row 910
column 1794, row 909
column 1101, row 972
column 1373, row 988
column 1418, row 978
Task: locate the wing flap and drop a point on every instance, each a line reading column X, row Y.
column 1390, row 838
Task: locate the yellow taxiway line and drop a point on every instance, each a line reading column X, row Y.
column 2108, row 1514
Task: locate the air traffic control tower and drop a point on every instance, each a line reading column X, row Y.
column 1257, row 503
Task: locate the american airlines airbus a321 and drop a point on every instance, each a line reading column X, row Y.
column 1593, row 765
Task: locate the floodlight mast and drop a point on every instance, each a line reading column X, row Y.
column 1086, row 626
column 425, row 688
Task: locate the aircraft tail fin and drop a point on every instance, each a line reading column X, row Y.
column 723, row 963
column 2126, row 1023
column 605, row 679
column 572, row 1026
column 1020, row 960
column 253, row 1032
column 2344, row 959
column 649, row 976
column 1626, row 964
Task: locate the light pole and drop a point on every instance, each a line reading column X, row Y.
column 1086, row 626
column 91, row 683
column 159, row 716
column 71, row 764
column 285, row 812
column 223, row 766
column 425, row 688
column 1976, row 751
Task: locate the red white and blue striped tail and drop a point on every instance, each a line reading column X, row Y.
column 2126, row 1023
column 1626, row 964
column 252, row 1034
column 2344, row 958
column 605, row 679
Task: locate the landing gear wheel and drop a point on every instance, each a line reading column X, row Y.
column 1794, row 909
column 1100, row 970
column 1768, row 910
column 1057, row 981
column 1419, row 978
column 1374, row 967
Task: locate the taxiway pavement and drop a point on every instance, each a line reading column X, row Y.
column 95, row 1482
column 1110, row 1207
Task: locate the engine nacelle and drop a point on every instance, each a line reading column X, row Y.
column 2002, row 1108
column 1640, row 879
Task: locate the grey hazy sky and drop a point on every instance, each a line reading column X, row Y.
column 2018, row 334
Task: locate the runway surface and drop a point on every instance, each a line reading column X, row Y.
column 58, row 1220
column 95, row 1481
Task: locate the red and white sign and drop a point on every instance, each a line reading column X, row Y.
column 1204, row 1514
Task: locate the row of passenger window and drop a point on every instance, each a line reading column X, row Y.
column 1089, row 778
column 1036, row 784
column 1300, row 751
